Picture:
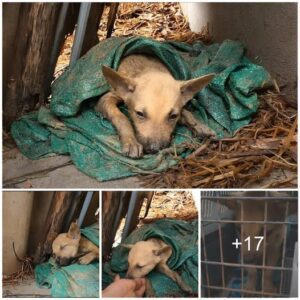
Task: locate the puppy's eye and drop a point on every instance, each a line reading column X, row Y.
column 139, row 266
column 140, row 114
column 173, row 116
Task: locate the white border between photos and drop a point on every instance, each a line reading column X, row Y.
column 141, row 189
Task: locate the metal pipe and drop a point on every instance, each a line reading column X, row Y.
column 118, row 215
column 217, row 263
column 243, row 291
column 131, row 207
column 249, row 222
column 262, row 198
column 285, row 228
column 80, row 31
column 72, row 209
column 86, row 204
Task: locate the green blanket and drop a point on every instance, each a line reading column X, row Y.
column 74, row 280
column 182, row 236
column 72, row 127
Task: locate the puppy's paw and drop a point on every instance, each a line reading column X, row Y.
column 187, row 289
column 202, row 130
column 84, row 260
column 132, row 148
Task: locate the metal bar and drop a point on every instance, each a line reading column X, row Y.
column 284, row 245
column 205, row 258
column 221, row 253
column 118, row 215
column 131, row 207
column 242, row 238
column 262, row 198
column 86, row 204
column 111, row 18
column 57, row 38
column 72, row 209
column 250, row 222
column 247, row 265
column 294, row 281
column 84, row 13
column 243, row 291
column 264, row 249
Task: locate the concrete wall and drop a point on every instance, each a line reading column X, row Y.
column 17, row 209
column 269, row 31
column 24, row 216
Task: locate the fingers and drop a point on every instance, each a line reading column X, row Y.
column 117, row 277
column 140, row 287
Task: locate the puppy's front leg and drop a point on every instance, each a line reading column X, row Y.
column 88, row 258
column 274, row 250
column 163, row 268
column 108, row 106
column 251, row 280
column 201, row 130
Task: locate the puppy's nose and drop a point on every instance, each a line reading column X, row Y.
column 155, row 146
column 62, row 261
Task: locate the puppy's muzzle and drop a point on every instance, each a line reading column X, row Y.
column 153, row 147
column 63, row 261
column 129, row 276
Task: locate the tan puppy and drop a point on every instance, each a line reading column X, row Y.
column 254, row 210
column 70, row 246
column 152, row 254
column 155, row 102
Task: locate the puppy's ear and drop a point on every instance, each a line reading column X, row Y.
column 189, row 88
column 230, row 203
column 128, row 246
column 74, row 231
column 162, row 250
column 122, row 85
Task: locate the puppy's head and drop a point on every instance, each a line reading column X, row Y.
column 65, row 246
column 143, row 258
column 155, row 101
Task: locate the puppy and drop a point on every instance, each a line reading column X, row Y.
column 254, row 210
column 70, row 246
column 152, row 254
column 155, row 102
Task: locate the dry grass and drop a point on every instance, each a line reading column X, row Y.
column 256, row 152
column 26, row 271
column 263, row 154
column 160, row 21
column 177, row 205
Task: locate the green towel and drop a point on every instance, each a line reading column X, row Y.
column 72, row 127
column 74, row 280
column 182, row 236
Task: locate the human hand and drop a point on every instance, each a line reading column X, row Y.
column 125, row 288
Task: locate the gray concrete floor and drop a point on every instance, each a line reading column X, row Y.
column 58, row 172
column 25, row 289
column 52, row 172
